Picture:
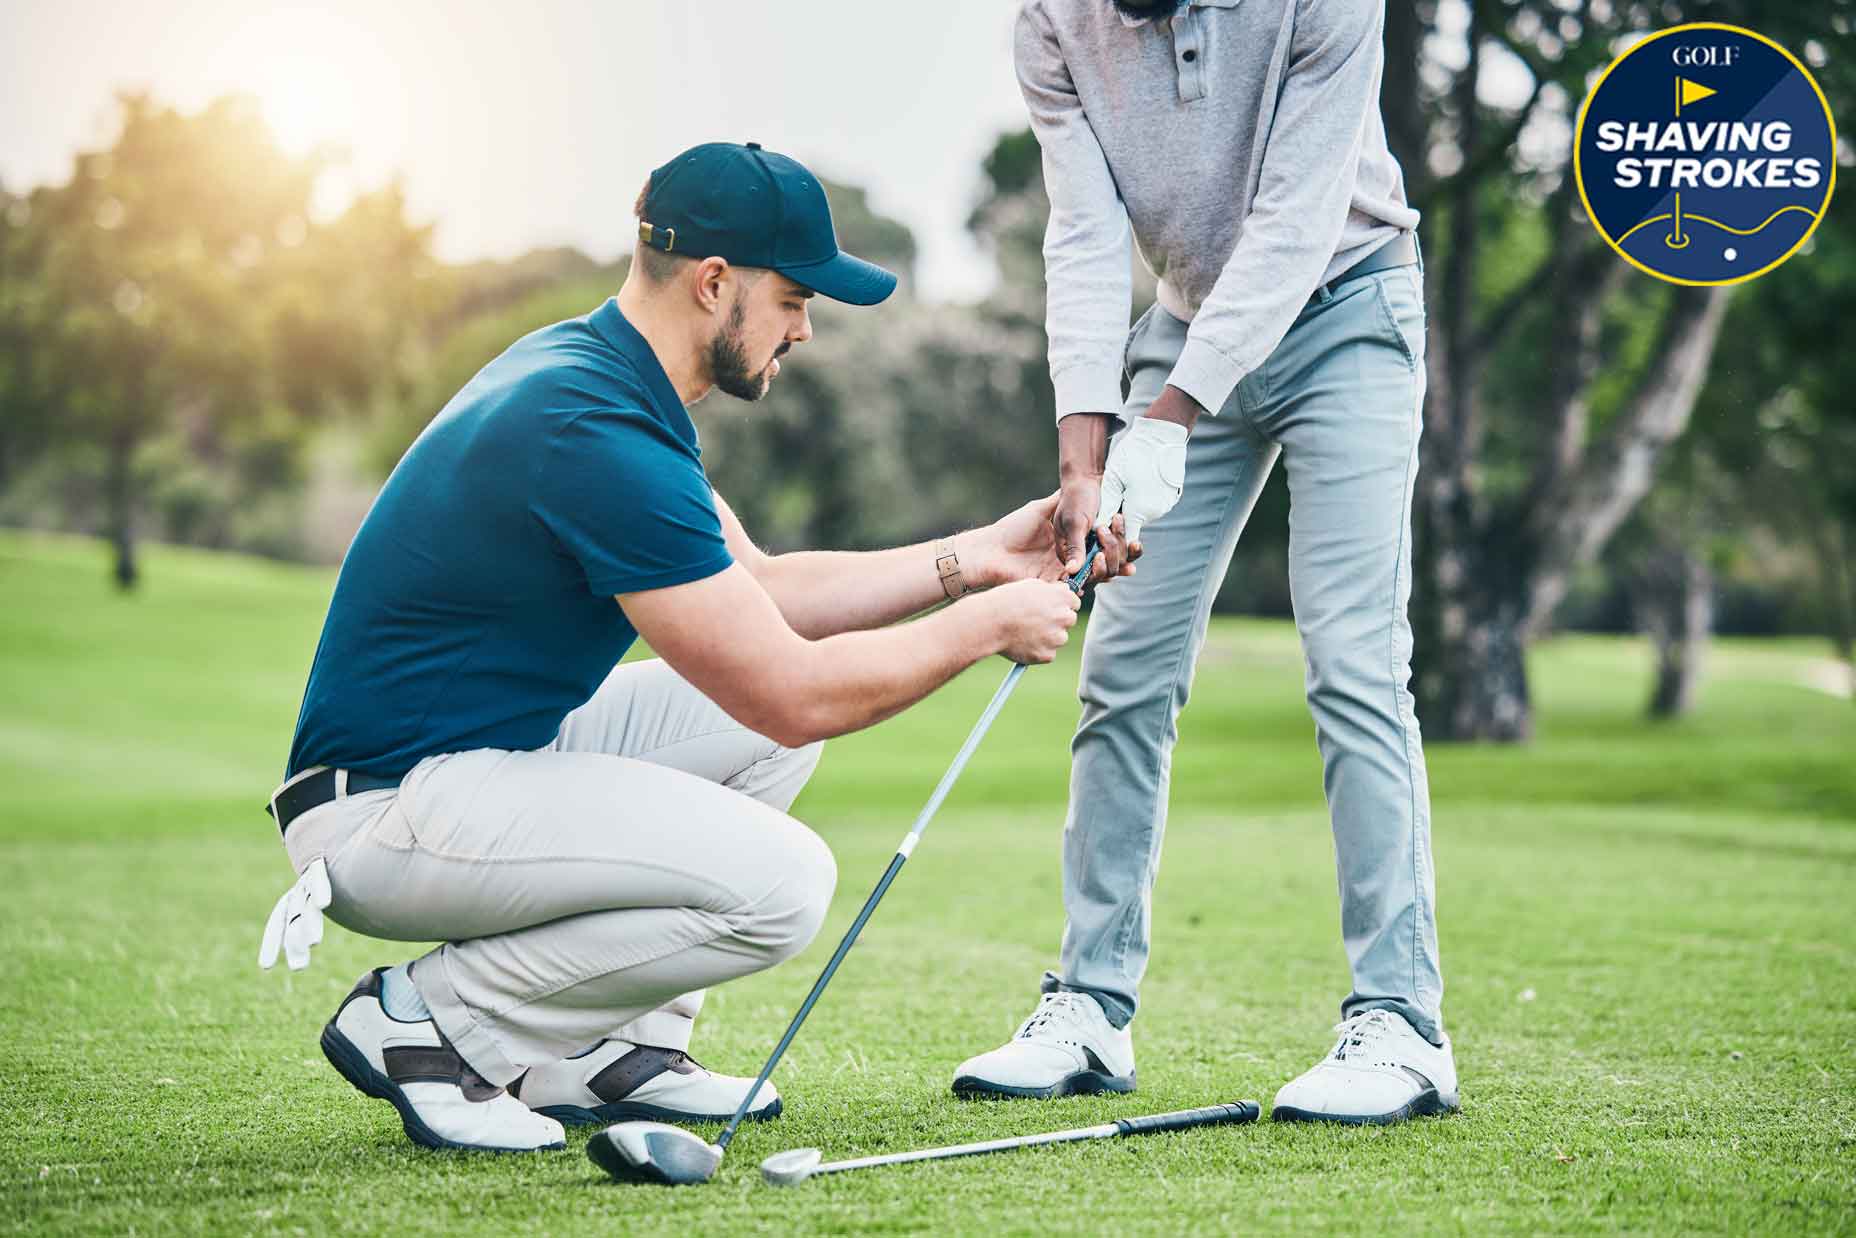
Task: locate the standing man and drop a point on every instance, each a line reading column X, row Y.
column 596, row 844
column 1243, row 143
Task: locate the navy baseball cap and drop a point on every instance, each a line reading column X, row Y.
column 756, row 209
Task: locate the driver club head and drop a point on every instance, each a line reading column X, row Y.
column 654, row 1152
column 790, row 1168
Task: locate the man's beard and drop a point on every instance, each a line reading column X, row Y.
column 1147, row 8
column 728, row 360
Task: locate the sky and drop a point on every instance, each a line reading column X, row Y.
column 519, row 125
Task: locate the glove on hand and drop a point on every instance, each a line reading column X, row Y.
column 1145, row 474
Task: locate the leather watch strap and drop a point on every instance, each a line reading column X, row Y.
column 947, row 566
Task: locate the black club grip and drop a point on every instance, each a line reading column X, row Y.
column 1091, row 549
column 1211, row 1115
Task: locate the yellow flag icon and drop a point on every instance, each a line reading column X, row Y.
column 1688, row 92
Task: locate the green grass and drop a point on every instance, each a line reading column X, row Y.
column 1647, row 938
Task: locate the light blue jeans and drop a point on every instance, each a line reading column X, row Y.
column 1339, row 400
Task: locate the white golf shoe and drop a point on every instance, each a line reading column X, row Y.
column 615, row 1081
column 1379, row 1071
column 1066, row 1048
column 443, row 1103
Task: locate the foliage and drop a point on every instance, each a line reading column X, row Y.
column 175, row 315
column 256, row 328
column 1559, row 379
column 1779, row 423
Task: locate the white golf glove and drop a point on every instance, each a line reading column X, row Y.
column 1145, row 473
column 296, row 922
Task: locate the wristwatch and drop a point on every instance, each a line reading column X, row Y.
column 947, row 566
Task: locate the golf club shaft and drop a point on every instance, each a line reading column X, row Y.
column 895, row 866
column 1213, row 1115
column 889, row 875
column 1104, row 1131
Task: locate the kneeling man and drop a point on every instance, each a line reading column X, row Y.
column 595, row 844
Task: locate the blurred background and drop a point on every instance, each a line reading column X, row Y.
column 248, row 250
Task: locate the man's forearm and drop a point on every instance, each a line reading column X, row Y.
column 858, row 679
column 824, row 592
column 1082, row 446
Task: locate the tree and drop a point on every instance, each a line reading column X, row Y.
column 1558, row 378
column 1664, row 558
column 184, row 309
column 1779, row 421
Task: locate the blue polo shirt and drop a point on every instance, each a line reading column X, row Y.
column 475, row 608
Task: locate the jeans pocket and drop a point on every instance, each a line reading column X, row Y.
column 1401, row 305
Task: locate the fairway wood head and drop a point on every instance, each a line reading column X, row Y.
column 790, row 1168
column 654, row 1152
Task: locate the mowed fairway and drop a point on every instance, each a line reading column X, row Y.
column 1647, row 931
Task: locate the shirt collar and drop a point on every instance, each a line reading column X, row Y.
column 612, row 326
column 1132, row 22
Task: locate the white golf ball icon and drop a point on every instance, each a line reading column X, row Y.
column 1731, row 253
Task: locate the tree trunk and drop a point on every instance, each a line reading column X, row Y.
column 1469, row 666
column 1573, row 521
column 1471, row 680
column 1839, row 593
column 1675, row 607
column 120, row 493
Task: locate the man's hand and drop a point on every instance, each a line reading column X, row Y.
column 1022, row 545
column 1146, row 470
column 1033, row 618
column 1082, row 445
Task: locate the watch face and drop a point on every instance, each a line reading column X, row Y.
column 1705, row 154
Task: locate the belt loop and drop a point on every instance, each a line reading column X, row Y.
column 1418, row 246
column 341, row 784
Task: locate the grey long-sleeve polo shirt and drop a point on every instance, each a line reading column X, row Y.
column 1241, row 139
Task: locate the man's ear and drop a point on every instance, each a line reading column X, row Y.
column 709, row 278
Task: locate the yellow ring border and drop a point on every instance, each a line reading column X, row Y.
column 1578, row 171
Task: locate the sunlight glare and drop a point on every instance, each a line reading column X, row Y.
column 307, row 102
column 319, row 77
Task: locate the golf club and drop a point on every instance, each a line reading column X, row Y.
column 659, row 1152
column 792, row 1168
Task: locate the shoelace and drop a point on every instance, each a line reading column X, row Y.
column 1364, row 1031
column 1054, row 1008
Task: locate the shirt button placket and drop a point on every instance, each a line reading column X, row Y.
column 1186, row 55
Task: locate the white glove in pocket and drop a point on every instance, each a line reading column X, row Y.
column 296, row 922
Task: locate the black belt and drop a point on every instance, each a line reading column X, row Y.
column 1400, row 251
column 315, row 790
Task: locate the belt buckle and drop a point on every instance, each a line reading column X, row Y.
column 270, row 805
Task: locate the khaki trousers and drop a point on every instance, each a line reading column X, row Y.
column 590, row 889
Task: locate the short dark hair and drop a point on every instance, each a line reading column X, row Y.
column 658, row 266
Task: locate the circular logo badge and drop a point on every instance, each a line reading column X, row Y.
column 1705, row 154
